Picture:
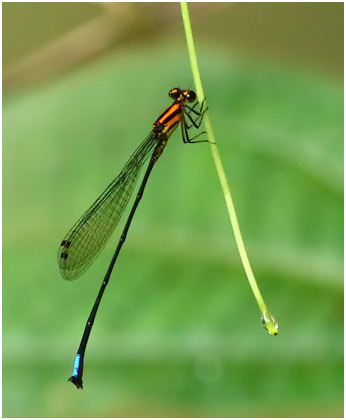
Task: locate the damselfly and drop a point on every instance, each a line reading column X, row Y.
column 90, row 234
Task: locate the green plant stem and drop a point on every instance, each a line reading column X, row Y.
column 268, row 320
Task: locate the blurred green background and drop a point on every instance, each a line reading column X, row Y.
column 178, row 333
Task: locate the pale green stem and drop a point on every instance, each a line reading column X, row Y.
column 268, row 320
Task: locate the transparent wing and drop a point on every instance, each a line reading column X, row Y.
column 90, row 234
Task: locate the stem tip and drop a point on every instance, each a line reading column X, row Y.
column 270, row 323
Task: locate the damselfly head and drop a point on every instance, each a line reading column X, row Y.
column 182, row 95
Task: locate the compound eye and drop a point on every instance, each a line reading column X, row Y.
column 174, row 93
column 190, row 95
